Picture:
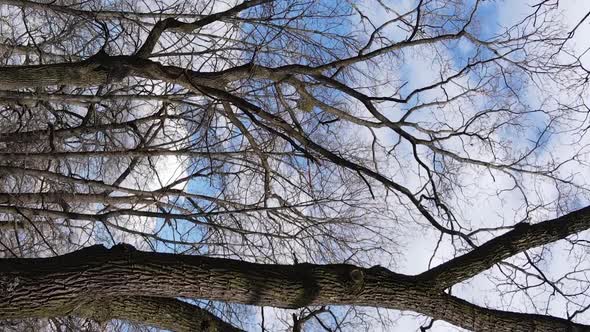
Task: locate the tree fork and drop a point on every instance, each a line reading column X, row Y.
column 34, row 287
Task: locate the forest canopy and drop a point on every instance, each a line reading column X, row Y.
column 294, row 165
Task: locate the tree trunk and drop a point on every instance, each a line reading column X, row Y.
column 45, row 286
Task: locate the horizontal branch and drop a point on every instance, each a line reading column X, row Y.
column 165, row 313
column 31, row 286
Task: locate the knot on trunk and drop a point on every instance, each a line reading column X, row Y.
column 112, row 67
column 123, row 248
column 98, row 310
column 357, row 276
column 123, row 251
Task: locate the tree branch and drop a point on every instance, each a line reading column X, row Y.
column 31, row 287
column 523, row 237
column 164, row 313
column 172, row 23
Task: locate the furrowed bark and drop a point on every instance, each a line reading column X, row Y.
column 30, row 287
column 84, row 73
column 102, row 69
column 165, row 313
column 36, row 286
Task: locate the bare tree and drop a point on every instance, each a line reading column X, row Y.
column 278, row 154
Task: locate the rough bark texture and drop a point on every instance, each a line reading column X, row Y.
column 54, row 298
column 280, row 286
column 43, row 286
column 165, row 313
column 122, row 283
column 85, row 73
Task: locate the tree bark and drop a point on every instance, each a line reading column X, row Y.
column 84, row 73
column 165, row 313
column 36, row 287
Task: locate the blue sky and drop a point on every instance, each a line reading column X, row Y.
column 419, row 70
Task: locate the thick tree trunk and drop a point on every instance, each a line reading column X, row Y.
column 43, row 286
column 102, row 68
column 134, row 285
column 84, row 73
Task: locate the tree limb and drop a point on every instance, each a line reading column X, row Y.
column 35, row 286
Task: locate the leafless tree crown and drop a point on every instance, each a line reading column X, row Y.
column 272, row 164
